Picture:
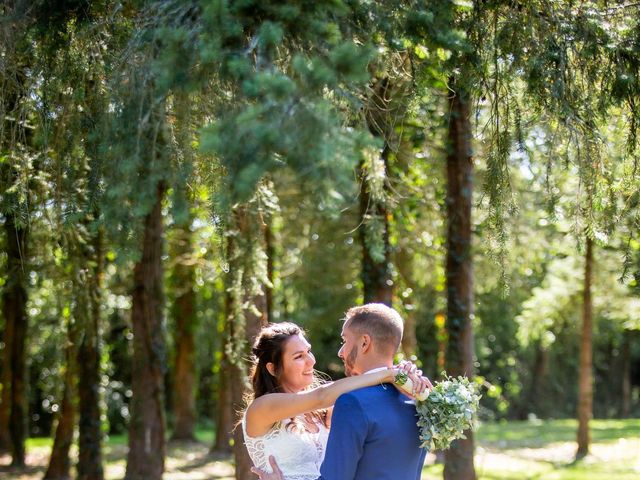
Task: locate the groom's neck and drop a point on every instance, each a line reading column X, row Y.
column 375, row 362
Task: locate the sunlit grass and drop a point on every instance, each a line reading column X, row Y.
column 541, row 433
column 203, row 435
column 47, row 442
column 546, row 450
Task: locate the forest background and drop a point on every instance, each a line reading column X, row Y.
column 174, row 174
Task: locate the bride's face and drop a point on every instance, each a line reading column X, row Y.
column 297, row 364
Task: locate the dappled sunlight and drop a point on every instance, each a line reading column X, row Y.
column 541, row 434
column 508, row 465
column 193, row 460
column 185, row 461
column 546, row 451
column 115, row 469
column 36, row 460
column 557, row 460
column 505, row 451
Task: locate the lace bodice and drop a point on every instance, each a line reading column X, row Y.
column 299, row 454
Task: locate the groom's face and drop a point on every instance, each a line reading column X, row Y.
column 349, row 351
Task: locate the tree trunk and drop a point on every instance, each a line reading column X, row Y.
column 224, row 414
column 13, row 402
column 59, row 462
column 241, row 253
column 404, row 265
column 376, row 272
column 626, row 374
column 585, row 385
column 5, row 399
column 381, row 118
column 145, row 460
column 184, row 314
column 239, row 388
column 409, row 340
column 243, row 462
column 89, row 294
column 185, row 375
column 459, row 269
column 89, row 278
column 14, row 303
column 270, row 250
column 539, row 380
column 404, row 258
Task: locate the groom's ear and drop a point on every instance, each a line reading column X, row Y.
column 365, row 342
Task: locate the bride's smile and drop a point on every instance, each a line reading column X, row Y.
column 297, row 364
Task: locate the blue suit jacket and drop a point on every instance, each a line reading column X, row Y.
column 373, row 436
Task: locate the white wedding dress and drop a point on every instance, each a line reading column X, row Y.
column 299, row 454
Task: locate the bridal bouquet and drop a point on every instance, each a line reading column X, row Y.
column 447, row 410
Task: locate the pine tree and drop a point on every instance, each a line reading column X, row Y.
column 59, row 461
column 16, row 166
column 459, row 270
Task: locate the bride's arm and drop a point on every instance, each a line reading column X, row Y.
column 273, row 407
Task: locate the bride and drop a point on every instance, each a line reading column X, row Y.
column 289, row 414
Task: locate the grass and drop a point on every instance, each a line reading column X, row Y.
column 539, row 434
column 505, row 451
column 546, row 450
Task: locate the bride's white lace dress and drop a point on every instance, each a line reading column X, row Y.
column 299, row 454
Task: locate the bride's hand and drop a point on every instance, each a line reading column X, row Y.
column 276, row 475
column 419, row 382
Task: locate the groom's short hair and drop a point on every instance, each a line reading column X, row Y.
column 382, row 323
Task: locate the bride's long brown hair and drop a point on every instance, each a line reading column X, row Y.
column 269, row 348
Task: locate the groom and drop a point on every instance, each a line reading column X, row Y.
column 373, row 430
